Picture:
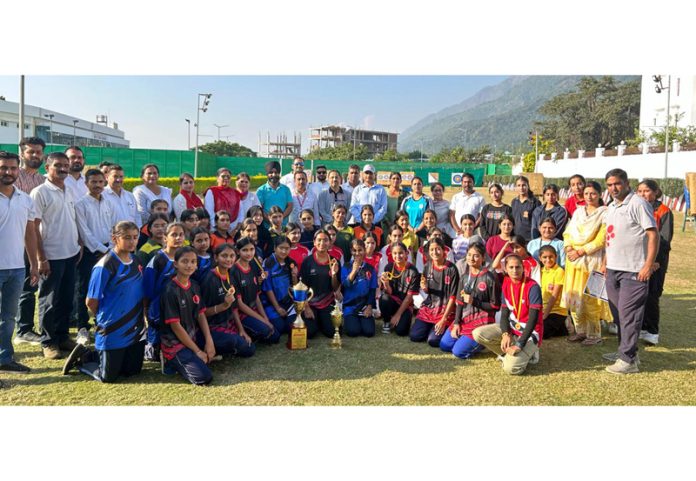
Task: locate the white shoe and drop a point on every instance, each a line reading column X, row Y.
column 612, row 328
column 649, row 338
column 385, row 328
column 535, row 358
column 82, row 337
column 622, row 367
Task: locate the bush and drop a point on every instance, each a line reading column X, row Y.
column 202, row 183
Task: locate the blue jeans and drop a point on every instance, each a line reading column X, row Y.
column 354, row 325
column 463, row 347
column 11, row 281
column 259, row 331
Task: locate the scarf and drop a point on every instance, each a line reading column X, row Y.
column 192, row 200
column 582, row 229
column 226, row 198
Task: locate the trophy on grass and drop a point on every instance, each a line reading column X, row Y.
column 337, row 320
column 301, row 295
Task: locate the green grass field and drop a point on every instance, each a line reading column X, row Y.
column 388, row 370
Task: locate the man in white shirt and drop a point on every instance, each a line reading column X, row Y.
column 288, row 179
column 352, row 180
column 321, row 184
column 302, row 199
column 468, row 201
column 76, row 182
column 123, row 201
column 369, row 192
column 16, row 231
column 58, row 251
column 96, row 217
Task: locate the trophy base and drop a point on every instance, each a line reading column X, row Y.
column 336, row 342
column 297, row 339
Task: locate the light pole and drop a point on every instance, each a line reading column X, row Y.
column 659, row 88
column 188, row 122
column 50, row 117
column 220, row 127
column 74, row 132
column 199, row 109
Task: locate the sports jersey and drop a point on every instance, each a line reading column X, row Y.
column 147, row 251
column 519, row 298
column 298, row 254
column 373, row 260
column 549, row 279
column 442, row 287
column 157, row 275
column 337, row 254
column 119, row 289
column 316, row 275
column 213, row 290
column 361, row 291
column 485, row 301
column 279, row 281
column 403, row 282
column 422, row 258
column 307, row 238
column 343, row 239
column 217, row 239
column 246, row 284
column 182, row 304
column 360, row 229
column 415, row 209
column 205, row 263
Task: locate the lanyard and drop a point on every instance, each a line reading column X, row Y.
column 223, row 279
column 517, row 308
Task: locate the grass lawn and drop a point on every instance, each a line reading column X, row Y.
column 388, row 370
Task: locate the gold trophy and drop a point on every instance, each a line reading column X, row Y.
column 336, row 320
column 301, row 295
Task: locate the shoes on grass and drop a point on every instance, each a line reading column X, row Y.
column 534, row 359
column 623, row 367
column 75, row 358
column 82, row 336
column 614, row 356
column 29, row 337
column 591, row 341
column 52, row 352
column 576, row 338
column 385, row 328
column 14, row 366
column 651, row 339
column 612, row 328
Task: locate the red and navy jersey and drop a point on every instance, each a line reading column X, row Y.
column 298, row 254
column 403, row 282
column 119, row 289
column 373, row 260
column 442, row 287
column 316, row 275
column 279, row 281
column 361, row 291
column 485, row 292
column 213, row 290
column 246, row 283
column 205, row 263
column 520, row 297
column 157, row 275
column 180, row 304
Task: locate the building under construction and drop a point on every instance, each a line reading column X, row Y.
column 281, row 148
column 375, row 141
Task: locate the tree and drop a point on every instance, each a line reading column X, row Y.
column 600, row 112
column 220, row 148
column 341, row 152
column 391, row 156
column 546, row 146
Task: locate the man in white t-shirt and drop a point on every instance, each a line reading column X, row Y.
column 468, row 201
column 123, row 201
column 321, row 184
column 288, row 180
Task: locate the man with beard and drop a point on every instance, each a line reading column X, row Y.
column 76, row 182
column 58, row 252
column 353, row 179
column 16, row 231
column 274, row 193
column 321, row 184
column 29, row 177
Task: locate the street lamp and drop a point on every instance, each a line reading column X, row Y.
column 50, row 117
column 189, row 133
column 199, row 108
column 220, row 127
column 659, row 88
column 74, row 132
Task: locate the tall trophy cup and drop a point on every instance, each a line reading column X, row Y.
column 336, row 320
column 301, row 295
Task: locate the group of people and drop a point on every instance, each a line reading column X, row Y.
column 186, row 280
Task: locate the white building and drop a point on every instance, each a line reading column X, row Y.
column 653, row 105
column 56, row 128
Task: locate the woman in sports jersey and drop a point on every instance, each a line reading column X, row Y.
column 200, row 241
column 281, row 274
column 439, row 282
column 359, row 283
column 320, row 272
column 399, row 282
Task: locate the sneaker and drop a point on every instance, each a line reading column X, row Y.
column 14, row 366
column 500, row 358
column 82, row 336
column 67, row 345
column 651, row 339
column 75, row 358
column 52, row 352
column 535, row 358
column 612, row 328
column 385, row 328
column 29, row 337
column 614, row 356
column 623, row 367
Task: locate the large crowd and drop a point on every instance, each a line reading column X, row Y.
column 185, row 280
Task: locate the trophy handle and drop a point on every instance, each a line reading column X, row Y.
column 310, row 294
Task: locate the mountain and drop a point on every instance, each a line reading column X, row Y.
column 499, row 115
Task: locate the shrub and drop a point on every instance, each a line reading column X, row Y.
column 202, row 183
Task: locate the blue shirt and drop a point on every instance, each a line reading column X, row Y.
column 361, row 292
column 204, row 266
column 278, row 280
column 158, row 273
column 415, row 209
column 535, row 244
column 268, row 197
column 376, row 196
column 119, row 289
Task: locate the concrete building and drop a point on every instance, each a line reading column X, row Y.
column 57, row 128
column 375, row 141
column 653, row 105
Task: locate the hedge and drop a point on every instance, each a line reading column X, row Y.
column 202, row 183
column 671, row 187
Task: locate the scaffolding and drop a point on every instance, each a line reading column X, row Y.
column 376, row 142
column 281, row 148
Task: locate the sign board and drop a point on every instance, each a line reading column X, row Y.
column 457, row 178
column 536, row 182
column 433, row 177
column 691, row 187
column 383, row 177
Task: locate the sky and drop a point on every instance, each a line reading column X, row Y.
column 151, row 109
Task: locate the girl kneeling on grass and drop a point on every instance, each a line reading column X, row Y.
column 439, row 282
column 115, row 298
column 478, row 300
column 359, row 282
column 400, row 281
column 519, row 334
column 187, row 346
column 281, row 274
column 247, row 285
column 226, row 330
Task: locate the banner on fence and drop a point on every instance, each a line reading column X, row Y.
column 457, row 178
column 406, row 177
column 433, row 177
